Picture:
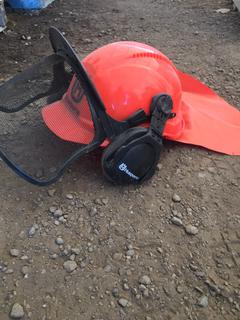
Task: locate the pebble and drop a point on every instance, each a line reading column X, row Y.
column 108, row 268
column 57, row 213
column 191, row 230
column 69, row 196
column 32, row 230
column 126, row 287
column 17, row 311
column 59, row 241
column 203, row 302
column 130, row 253
column 179, row 289
column 52, row 209
column 177, row 221
column 51, row 192
column 62, row 219
column 176, row 198
column 142, row 287
column 105, row 201
column 115, row 292
column 25, row 270
column 223, row 10
column 117, row 256
column 123, row 302
column 75, row 251
column 146, row 293
column 70, row 266
column 93, row 212
column 145, row 280
column 14, row 252
column 9, row 271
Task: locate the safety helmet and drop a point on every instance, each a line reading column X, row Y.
column 125, row 96
column 126, row 75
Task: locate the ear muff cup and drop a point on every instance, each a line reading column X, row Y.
column 123, row 139
column 131, row 157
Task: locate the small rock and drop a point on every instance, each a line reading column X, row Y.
column 117, row 256
column 203, row 302
column 130, row 253
column 62, row 219
column 69, row 196
column 57, row 213
column 223, row 10
column 126, row 287
column 93, row 212
column 32, row 231
column 115, row 292
column 59, row 241
column 70, row 266
column 72, row 257
column 177, row 221
column 146, row 293
column 160, row 250
column 176, row 198
column 179, row 289
column 211, row 169
column 14, row 252
column 105, row 201
column 123, row 302
column 9, row 271
column 75, row 251
column 191, row 230
column 142, row 287
column 25, row 270
column 17, row 311
column 193, row 267
column 145, row 280
column 51, row 192
column 108, row 268
column 52, row 209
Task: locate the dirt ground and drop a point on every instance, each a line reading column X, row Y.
column 132, row 261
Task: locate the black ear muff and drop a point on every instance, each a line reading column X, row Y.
column 133, row 155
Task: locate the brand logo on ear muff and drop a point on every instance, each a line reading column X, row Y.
column 123, row 167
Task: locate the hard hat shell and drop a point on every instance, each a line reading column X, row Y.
column 127, row 75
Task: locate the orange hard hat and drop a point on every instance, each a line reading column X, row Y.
column 125, row 96
column 126, row 76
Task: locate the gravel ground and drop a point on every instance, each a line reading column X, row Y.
column 169, row 249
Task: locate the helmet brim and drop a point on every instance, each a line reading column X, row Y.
column 67, row 126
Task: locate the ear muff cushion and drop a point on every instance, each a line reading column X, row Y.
column 122, row 140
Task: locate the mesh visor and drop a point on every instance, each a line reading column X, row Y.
column 46, row 119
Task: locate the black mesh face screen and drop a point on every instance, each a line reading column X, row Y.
column 45, row 118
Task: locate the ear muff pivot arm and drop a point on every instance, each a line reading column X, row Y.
column 161, row 110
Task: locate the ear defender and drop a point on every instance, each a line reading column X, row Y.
column 132, row 156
